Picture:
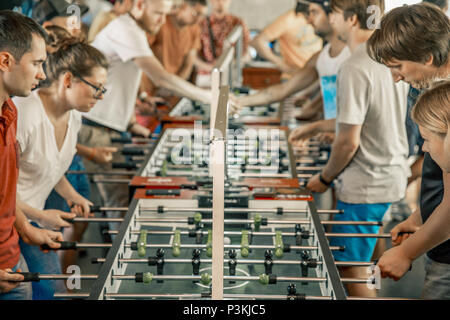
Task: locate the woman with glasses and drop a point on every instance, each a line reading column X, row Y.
column 48, row 124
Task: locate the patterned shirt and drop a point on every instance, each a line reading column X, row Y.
column 221, row 28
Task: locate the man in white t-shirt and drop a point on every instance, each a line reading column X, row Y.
column 323, row 64
column 123, row 41
column 369, row 154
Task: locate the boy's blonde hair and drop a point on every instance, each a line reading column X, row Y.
column 432, row 110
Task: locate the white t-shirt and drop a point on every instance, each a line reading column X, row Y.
column 368, row 96
column 41, row 165
column 328, row 68
column 120, row 41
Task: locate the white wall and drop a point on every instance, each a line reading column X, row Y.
column 391, row 4
column 259, row 13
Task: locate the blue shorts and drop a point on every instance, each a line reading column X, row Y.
column 357, row 249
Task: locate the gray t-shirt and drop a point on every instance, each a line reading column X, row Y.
column 368, row 96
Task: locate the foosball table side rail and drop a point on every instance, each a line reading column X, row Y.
column 333, row 286
column 105, row 283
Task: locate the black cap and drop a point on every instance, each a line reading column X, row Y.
column 48, row 9
column 326, row 4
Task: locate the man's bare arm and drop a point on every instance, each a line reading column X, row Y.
column 161, row 78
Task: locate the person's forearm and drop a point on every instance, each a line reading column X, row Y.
column 416, row 168
column 202, row 65
column 434, row 231
column 416, row 217
column 303, row 79
column 188, row 65
column 65, row 189
column 312, row 88
column 314, row 102
column 30, row 212
column 326, row 125
column 21, row 223
column 342, row 153
column 84, row 151
column 260, row 43
column 185, row 89
column 161, row 78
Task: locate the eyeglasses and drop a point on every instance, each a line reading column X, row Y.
column 99, row 91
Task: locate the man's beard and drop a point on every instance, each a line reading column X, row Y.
column 321, row 34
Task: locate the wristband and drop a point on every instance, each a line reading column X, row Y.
column 324, row 181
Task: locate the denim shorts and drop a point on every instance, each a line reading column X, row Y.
column 357, row 249
column 437, row 280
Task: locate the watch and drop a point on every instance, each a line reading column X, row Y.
column 324, row 181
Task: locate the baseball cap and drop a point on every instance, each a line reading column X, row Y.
column 326, row 4
column 48, row 9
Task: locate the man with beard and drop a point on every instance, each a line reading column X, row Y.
column 124, row 43
column 323, row 66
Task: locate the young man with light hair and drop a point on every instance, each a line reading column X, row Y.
column 124, row 43
column 414, row 42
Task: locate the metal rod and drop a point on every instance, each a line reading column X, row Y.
column 246, row 221
column 253, row 233
column 234, row 210
column 94, row 245
column 117, row 181
column 228, row 210
column 243, row 278
column 246, row 261
column 358, row 235
column 104, row 173
column 232, row 246
column 71, row 295
column 235, row 278
column 302, row 168
column 67, row 276
column 226, row 221
column 97, row 220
